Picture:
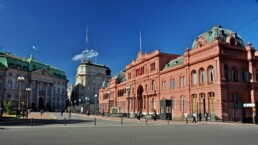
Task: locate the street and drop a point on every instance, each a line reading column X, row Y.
column 81, row 131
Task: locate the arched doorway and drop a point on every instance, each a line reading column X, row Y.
column 40, row 103
column 139, row 98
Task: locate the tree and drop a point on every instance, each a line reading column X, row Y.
column 8, row 106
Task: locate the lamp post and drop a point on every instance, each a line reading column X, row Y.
column 96, row 96
column 22, row 106
column 28, row 92
column 128, row 101
column 20, row 79
column 108, row 103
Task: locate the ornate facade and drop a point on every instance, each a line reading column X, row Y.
column 217, row 75
column 47, row 84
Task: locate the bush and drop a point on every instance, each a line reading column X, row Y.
column 8, row 106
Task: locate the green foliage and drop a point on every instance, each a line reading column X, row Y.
column 8, row 106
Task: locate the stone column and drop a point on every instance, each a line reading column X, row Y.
column 51, row 96
column 37, row 97
column 30, row 95
column 46, row 96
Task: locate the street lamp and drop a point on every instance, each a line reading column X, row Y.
column 20, row 79
column 108, row 103
column 28, row 92
column 96, row 96
column 22, row 106
column 128, row 97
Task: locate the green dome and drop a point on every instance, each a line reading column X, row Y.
column 210, row 35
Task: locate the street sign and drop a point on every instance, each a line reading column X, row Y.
column 248, row 105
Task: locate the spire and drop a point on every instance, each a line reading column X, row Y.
column 87, row 38
column 140, row 40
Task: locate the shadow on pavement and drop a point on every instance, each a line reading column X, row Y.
column 40, row 122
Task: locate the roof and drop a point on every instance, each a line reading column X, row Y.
column 88, row 62
column 11, row 61
column 174, row 62
column 210, row 35
column 120, row 76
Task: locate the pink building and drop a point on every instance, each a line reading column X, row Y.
column 217, row 75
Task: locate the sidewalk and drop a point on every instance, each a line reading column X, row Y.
column 151, row 121
column 37, row 115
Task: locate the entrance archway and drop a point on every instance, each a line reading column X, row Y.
column 40, row 103
column 139, row 98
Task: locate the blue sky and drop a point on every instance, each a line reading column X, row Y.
column 57, row 28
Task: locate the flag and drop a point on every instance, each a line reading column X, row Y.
column 34, row 47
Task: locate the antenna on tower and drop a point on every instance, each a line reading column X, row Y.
column 87, row 38
column 140, row 40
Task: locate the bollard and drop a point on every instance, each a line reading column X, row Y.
column 64, row 121
column 121, row 120
column 94, row 121
column 168, row 120
column 146, row 120
column 31, row 122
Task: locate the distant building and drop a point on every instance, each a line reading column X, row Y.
column 217, row 75
column 47, row 84
column 89, row 79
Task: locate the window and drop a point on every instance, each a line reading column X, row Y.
column 153, row 103
column 245, row 76
column 226, row 72
column 163, row 85
column 129, row 75
column 172, row 83
column 173, row 103
column 194, row 77
column 182, row 103
column 153, row 85
column 202, row 76
column 236, row 99
column 234, row 74
column 211, row 74
column 152, row 66
column 182, row 81
column 9, row 84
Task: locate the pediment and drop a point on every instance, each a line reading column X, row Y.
column 42, row 72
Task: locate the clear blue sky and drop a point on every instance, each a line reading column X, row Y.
column 57, row 27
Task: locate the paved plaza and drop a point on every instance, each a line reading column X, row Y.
column 80, row 130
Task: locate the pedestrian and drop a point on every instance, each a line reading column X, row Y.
column 200, row 116
column 155, row 116
column 102, row 113
column 27, row 114
column 194, row 117
column 16, row 113
column 186, row 117
column 69, row 114
column 88, row 112
column 62, row 112
column 1, row 112
column 138, row 116
column 206, row 115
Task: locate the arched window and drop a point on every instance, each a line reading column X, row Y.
column 153, row 85
column 202, row 76
column 234, row 74
column 232, row 41
column 182, row 103
column 194, row 77
column 194, row 97
column 211, row 74
column 226, row 72
column 182, row 81
column 153, row 103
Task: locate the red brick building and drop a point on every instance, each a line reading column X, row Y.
column 217, row 75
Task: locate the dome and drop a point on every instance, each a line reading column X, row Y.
column 225, row 35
